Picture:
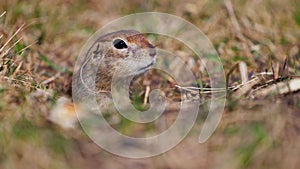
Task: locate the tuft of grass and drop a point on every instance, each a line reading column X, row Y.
column 297, row 16
column 125, row 126
column 137, row 102
column 53, row 65
column 231, row 130
column 246, row 151
column 24, row 129
column 58, row 143
column 20, row 48
column 231, row 103
column 240, row 58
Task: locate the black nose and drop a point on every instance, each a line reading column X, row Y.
column 152, row 52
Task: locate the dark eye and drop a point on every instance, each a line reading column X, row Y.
column 119, row 44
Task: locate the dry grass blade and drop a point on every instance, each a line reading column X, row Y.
column 3, row 13
column 285, row 66
column 273, row 71
column 229, row 73
column 6, row 43
column 196, row 90
column 17, row 70
column 284, row 87
column 243, row 89
column 51, row 79
column 26, row 47
column 12, row 46
column 201, row 88
column 146, row 95
column 243, row 72
column 234, row 20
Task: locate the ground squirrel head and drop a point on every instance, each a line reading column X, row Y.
column 126, row 52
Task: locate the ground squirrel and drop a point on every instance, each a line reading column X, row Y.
column 125, row 51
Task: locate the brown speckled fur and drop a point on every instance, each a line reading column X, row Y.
column 128, row 60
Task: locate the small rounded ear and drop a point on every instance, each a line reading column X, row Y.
column 97, row 52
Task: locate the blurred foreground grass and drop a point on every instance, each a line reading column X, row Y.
column 261, row 133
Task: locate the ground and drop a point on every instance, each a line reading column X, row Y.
column 39, row 44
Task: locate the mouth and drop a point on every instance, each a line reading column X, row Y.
column 146, row 68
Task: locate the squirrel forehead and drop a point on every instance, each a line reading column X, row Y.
column 140, row 40
column 132, row 36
